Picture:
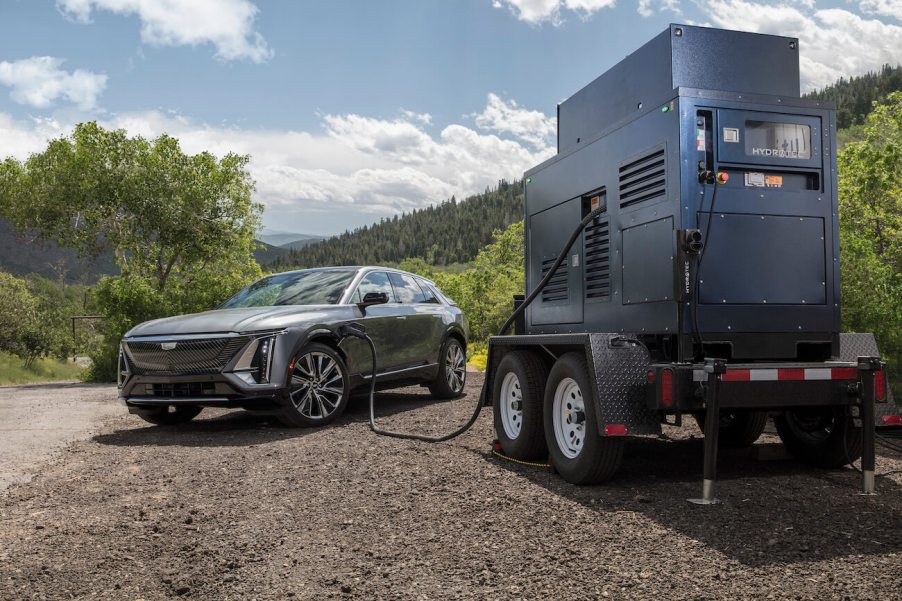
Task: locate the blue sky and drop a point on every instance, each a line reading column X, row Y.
column 357, row 110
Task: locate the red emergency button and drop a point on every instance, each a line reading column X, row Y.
column 723, row 177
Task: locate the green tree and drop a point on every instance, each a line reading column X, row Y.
column 181, row 226
column 870, row 204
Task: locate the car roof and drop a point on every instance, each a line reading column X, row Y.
column 357, row 268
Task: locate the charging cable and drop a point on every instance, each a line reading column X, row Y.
column 356, row 330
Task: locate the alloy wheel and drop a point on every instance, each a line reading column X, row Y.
column 317, row 385
column 455, row 368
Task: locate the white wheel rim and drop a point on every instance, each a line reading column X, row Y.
column 569, row 413
column 511, row 405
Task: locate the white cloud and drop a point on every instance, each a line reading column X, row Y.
column 541, row 11
column 40, row 81
column 358, row 163
column 887, row 8
column 227, row 24
column 833, row 43
column 647, row 8
column 533, row 127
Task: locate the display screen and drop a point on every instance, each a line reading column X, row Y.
column 778, row 140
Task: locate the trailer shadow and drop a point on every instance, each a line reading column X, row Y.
column 236, row 427
column 764, row 517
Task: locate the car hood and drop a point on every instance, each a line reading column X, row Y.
column 245, row 319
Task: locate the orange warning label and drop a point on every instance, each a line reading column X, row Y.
column 773, row 181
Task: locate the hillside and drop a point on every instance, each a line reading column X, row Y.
column 451, row 232
column 20, row 256
column 853, row 96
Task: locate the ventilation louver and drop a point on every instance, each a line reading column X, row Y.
column 557, row 288
column 598, row 260
column 643, row 179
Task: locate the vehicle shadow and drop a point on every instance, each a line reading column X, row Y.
column 236, row 427
column 771, row 511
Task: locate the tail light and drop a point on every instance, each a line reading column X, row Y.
column 880, row 385
column 615, row 430
column 892, row 420
column 667, row 387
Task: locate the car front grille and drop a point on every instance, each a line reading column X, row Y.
column 188, row 356
column 176, row 390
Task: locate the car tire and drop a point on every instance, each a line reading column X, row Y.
column 318, row 387
column 820, row 436
column 170, row 415
column 738, row 428
column 517, row 398
column 576, row 449
column 452, row 371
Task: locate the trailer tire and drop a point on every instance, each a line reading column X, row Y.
column 520, row 378
column 821, row 436
column 576, row 449
column 739, row 428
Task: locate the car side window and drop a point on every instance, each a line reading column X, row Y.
column 376, row 281
column 406, row 289
column 428, row 293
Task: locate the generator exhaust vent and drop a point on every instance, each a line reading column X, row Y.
column 643, row 179
column 598, row 260
column 557, row 288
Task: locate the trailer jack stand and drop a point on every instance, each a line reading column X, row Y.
column 715, row 368
column 867, row 368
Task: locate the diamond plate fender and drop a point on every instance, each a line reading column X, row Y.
column 619, row 366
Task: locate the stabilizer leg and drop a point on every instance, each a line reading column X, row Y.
column 715, row 368
column 867, row 368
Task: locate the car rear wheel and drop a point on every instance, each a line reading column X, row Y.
column 452, row 373
column 318, row 387
column 170, row 415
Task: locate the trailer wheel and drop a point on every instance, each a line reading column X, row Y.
column 738, row 428
column 577, row 451
column 821, row 436
column 517, row 398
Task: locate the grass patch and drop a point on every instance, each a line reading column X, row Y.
column 13, row 371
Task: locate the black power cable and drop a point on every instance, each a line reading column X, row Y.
column 357, row 331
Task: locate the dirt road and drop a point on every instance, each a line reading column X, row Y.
column 37, row 421
column 233, row 507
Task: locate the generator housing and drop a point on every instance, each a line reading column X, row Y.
column 693, row 110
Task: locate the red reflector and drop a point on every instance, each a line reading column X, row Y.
column 880, row 385
column 666, row 389
column 650, row 376
column 892, row 420
column 844, row 373
column 614, row 430
column 737, row 375
column 790, row 374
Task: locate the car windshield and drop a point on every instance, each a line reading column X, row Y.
column 299, row 288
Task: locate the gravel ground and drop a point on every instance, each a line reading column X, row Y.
column 232, row 506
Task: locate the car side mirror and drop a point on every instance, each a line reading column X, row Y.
column 372, row 298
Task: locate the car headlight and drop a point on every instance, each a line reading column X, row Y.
column 123, row 370
column 254, row 366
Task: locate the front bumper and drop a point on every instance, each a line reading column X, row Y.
column 222, row 385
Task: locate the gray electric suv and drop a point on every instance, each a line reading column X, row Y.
column 280, row 347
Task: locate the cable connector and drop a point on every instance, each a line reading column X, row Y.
column 352, row 330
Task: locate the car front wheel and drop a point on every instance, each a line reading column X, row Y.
column 318, row 387
column 452, row 373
